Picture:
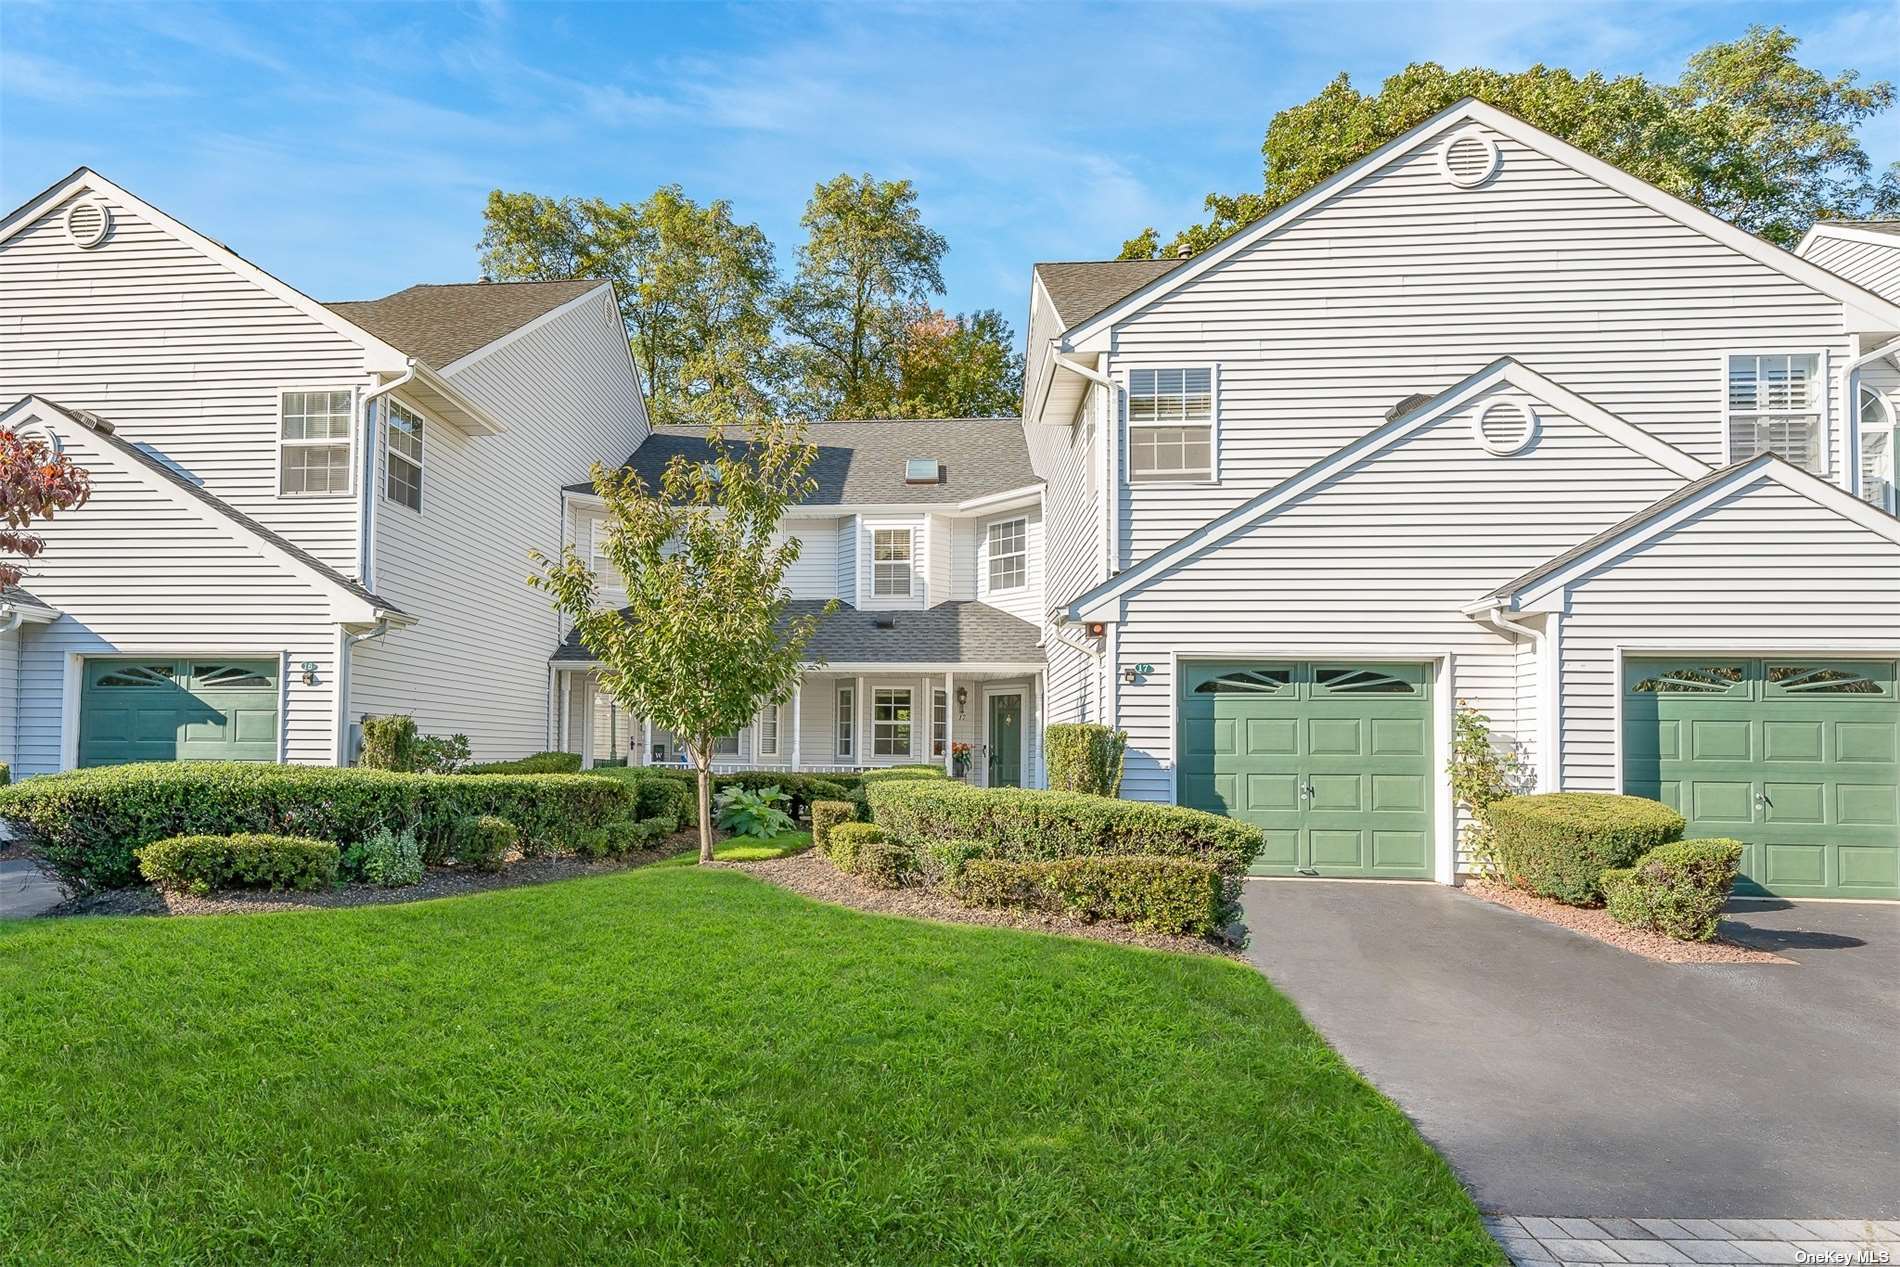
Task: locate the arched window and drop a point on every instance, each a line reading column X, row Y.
column 1876, row 422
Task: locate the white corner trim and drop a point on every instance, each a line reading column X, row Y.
column 1863, row 308
column 1095, row 604
column 381, row 357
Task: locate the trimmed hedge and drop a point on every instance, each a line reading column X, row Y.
column 1022, row 825
column 617, row 840
column 481, row 841
column 1085, row 757
column 882, row 864
column 1559, row 844
column 539, row 763
column 1677, row 889
column 200, row 864
column 828, row 814
column 843, row 842
column 1150, row 894
column 939, row 862
column 899, row 773
column 88, row 824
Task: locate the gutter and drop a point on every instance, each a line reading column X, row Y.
column 366, row 518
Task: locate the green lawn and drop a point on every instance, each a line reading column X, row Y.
column 760, row 848
column 676, row 1065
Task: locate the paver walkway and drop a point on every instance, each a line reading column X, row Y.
column 25, row 889
column 1538, row 1242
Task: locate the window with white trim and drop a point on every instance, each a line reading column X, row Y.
column 404, row 485
column 891, row 550
column 847, row 721
column 1774, row 406
column 1008, row 549
column 313, row 453
column 1170, row 424
column 768, row 731
column 1876, row 449
column 890, row 721
column 939, row 722
column 726, row 745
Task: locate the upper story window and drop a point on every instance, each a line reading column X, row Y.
column 890, row 721
column 891, row 550
column 1774, row 406
column 405, row 455
column 1171, row 424
column 1009, row 554
column 314, row 443
column 1876, row 449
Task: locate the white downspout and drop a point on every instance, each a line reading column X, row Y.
column 346, row 644
column 366, row 519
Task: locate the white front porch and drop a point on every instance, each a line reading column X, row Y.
column 841, row 719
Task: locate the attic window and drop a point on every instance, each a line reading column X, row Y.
column 1468, row 158
column 1504, row 427
column 923, row 471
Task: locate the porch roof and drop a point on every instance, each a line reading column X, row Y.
column 955, row 633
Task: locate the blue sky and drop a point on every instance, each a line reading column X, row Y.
column 348, row 147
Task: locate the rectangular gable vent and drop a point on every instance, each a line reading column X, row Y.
column 923, row 471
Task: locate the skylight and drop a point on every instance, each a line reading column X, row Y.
column 923, row 471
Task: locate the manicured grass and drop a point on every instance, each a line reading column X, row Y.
column 760, row 848
column 678, row 1065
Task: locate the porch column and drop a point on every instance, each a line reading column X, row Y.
column 860, row 732
column 949, row 723
column 646, row 740
column 1041, row 774
column 584, row 705
column 798, row 695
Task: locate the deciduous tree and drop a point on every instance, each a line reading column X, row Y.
column 36, row 482
column 705, row 640
column 1747, row 132
column 958, row 367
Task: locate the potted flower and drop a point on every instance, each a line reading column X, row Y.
column 960, row 759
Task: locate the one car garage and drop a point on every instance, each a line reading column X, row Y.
column 1797, row 758
column 1332, row 760
column 154, row 709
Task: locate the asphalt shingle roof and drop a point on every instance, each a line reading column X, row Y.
column 1080, row 289
column 439, row 325
column 950, row 633
column 21, row 598
column 862, row 463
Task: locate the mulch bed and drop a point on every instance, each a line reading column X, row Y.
column 1598, row 924
column 810, row 873
column 436, row 882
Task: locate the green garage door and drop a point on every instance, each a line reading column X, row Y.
column 178, row 710
column 1332, row 760
column 1797, row 758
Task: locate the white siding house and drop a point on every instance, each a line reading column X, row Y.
column 1324, row 449
column 255, row 571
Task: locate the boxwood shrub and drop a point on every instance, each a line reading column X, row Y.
column 1085, row 757
column 200, row 864
column 843, row 842
column 828, row 814
column 900, row 773
column 1559, row 844
column 1150, row 894
column 88, row 824
column 1677, row 889
column 539, row 763
column 882, row 864
column 481, row 841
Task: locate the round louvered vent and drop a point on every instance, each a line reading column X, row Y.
column 1468, row 159
column 1504, row 427
column 87, row 223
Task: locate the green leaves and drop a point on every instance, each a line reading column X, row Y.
column 1747, row 133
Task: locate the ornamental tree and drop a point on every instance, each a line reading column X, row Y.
column 704, row 642
column 36, row 482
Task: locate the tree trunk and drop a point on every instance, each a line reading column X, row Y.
column 705, row 808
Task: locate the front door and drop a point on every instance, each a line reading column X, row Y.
column 1006, row 740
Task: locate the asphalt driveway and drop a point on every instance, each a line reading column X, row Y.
column 1562, row 1076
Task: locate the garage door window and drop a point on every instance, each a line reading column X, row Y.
column 134, row 676
column 1356, row 681
column 208, row 676
column 1246, row 682
column 1807, row 679
column 1696, row 679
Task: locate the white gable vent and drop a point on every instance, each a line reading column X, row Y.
column 87, row 222
column 1468, row 158
column 1504, row 427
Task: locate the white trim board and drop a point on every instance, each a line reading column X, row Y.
column 1101, row 603
column 1862, row 309
column 1846, row 233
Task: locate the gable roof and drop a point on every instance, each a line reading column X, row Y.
column 441, row 324
column 862, row 463
column 1684, row 503
column 1869, row 310
column 1079, row 289
column 168, row 478
column 963, row 632
column 1090, row 605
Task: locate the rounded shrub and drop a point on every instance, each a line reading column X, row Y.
column 1559, row 844
column 1677, row 889
column 483, row 840
column 828, row 814
column 200, row 864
